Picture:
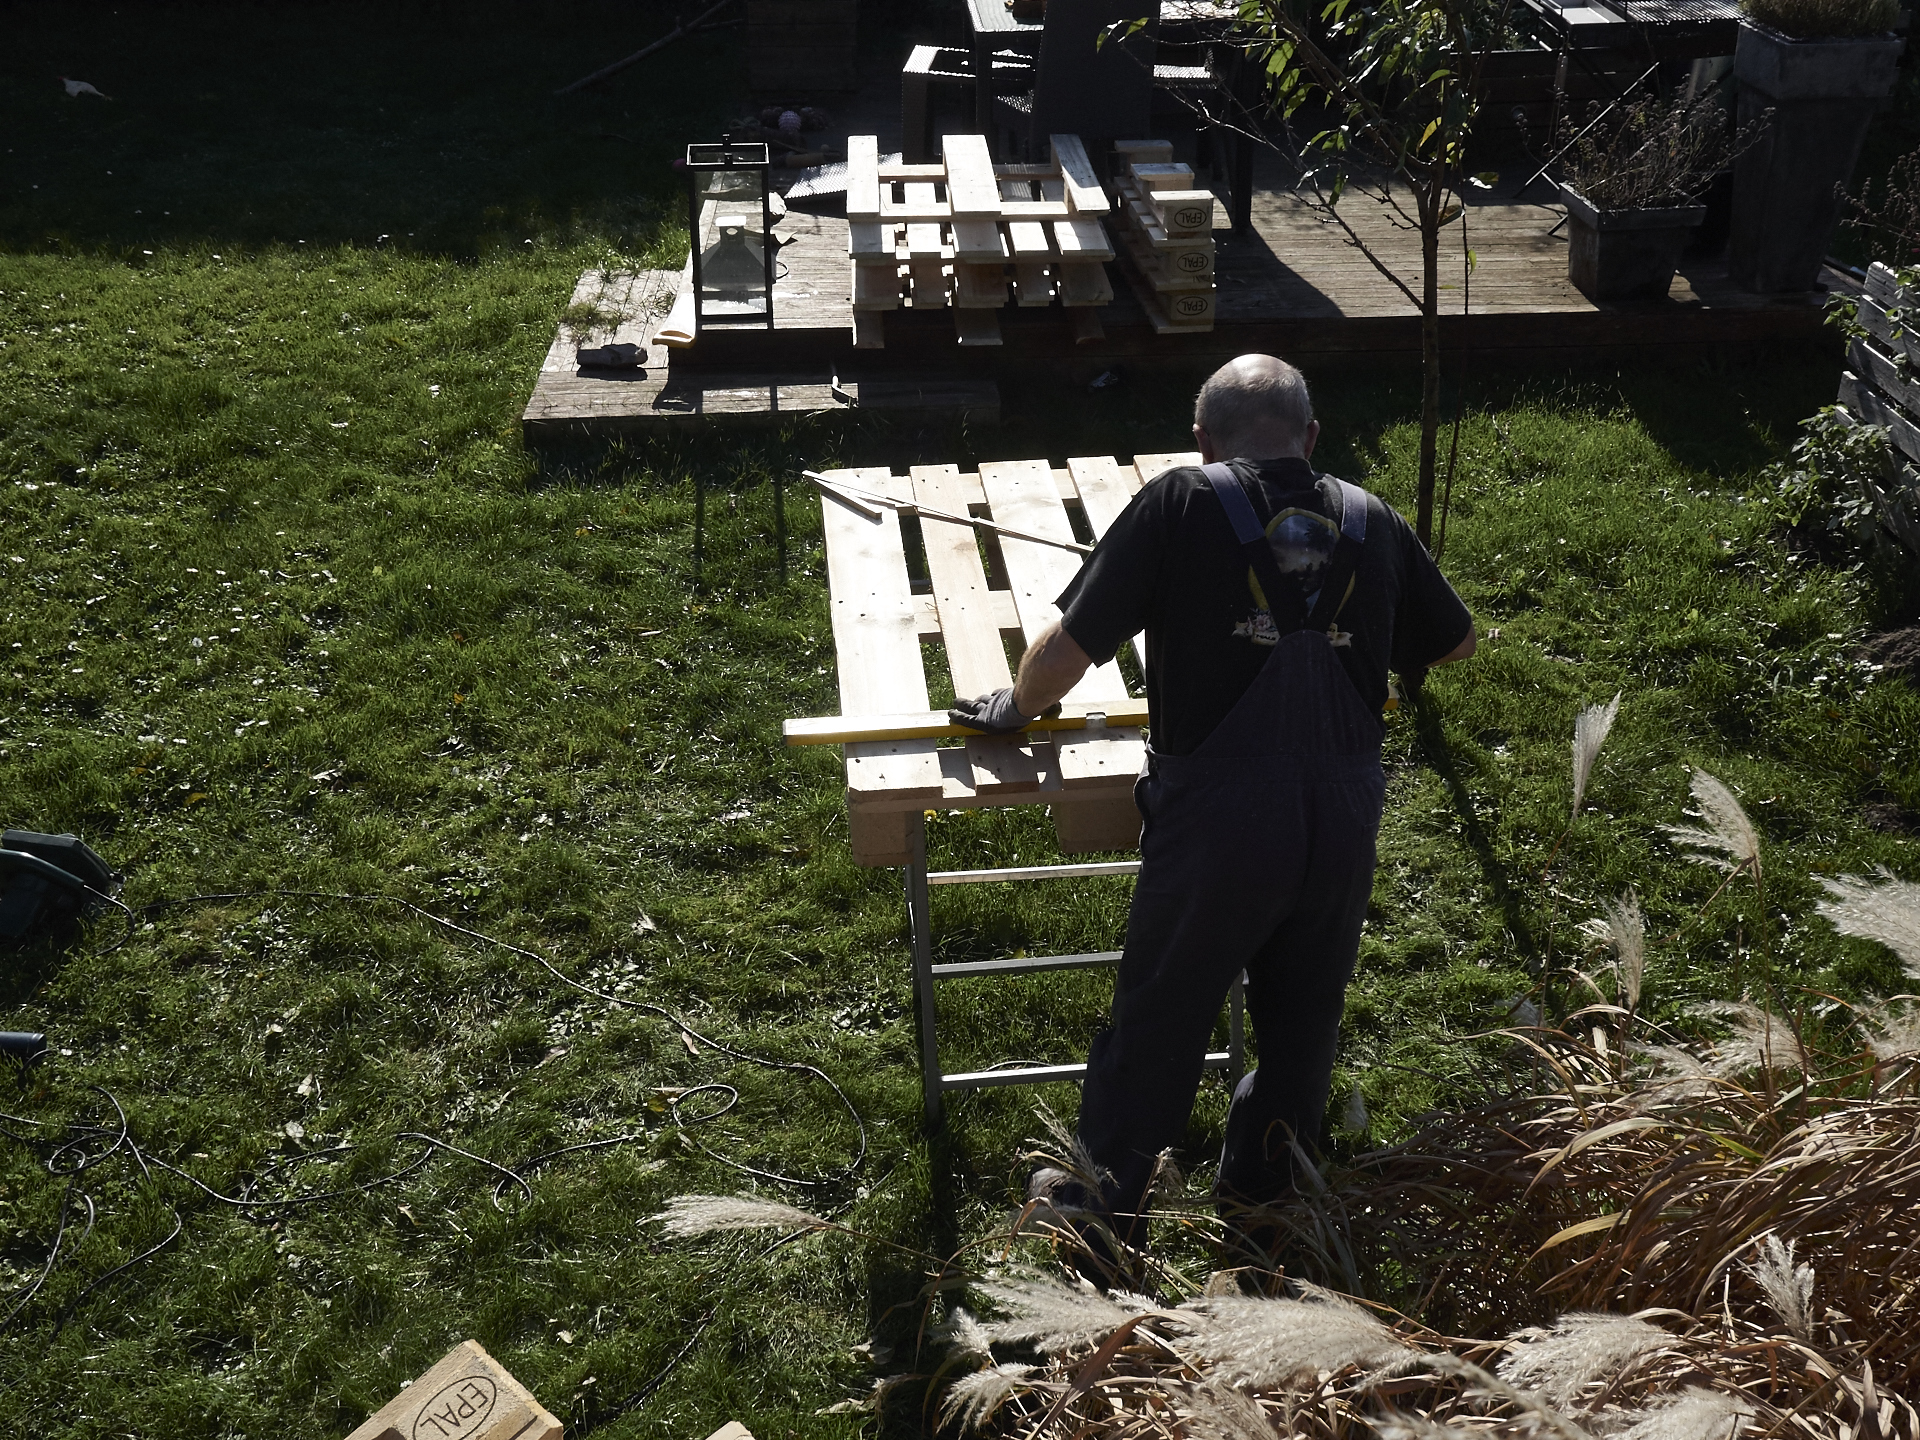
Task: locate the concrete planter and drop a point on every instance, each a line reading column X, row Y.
column 1785, row 201
column 1625, row 254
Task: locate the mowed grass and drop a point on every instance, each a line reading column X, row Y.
column 295, row 610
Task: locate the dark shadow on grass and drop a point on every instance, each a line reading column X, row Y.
column 1512, row 902
column 432, row 128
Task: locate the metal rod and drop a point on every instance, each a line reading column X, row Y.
column 1034, row 872
column 699, row 523
column 1026, row 965
column 780, row 521
column 920, row 924
column 1554, row 159
column 1042, row 1074
column 841, row 490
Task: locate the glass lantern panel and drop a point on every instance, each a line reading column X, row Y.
column 733, row 242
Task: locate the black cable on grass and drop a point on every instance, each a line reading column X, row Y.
column 792, row 1066
column 73, row 1157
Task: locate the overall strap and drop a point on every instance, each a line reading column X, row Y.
column 1334, row 590
column 1252, row 536
column 1337, row 588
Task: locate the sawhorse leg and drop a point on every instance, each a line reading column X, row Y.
column 920, row 924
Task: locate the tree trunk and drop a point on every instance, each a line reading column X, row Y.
column 1430, row 213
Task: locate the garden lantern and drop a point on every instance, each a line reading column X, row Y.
column 729, row 220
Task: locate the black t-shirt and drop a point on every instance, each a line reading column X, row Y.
column 1170, row 565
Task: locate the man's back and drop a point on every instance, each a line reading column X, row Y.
column 1170, row 565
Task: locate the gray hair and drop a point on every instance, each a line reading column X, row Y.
column 1254, row 394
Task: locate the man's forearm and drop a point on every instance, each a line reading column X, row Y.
column 1051, row 667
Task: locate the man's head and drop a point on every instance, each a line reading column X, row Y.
column 1254, row 408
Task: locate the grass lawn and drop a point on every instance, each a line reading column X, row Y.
column 287, row 607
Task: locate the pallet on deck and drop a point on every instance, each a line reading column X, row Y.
column 957, row 233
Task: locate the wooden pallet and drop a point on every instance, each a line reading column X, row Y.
column 964, row 233
column 1880, row 389
column 1166, row 239
column 983, row 596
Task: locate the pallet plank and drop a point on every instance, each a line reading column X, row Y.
column 971, row 187
column 1106, row 488
column 1022, row 494
column 976, row 654
column 1083, row 191
column 863, row 177
column 876, row 639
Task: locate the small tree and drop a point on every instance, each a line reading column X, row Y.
column 1393, row 84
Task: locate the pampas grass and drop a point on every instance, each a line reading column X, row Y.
column 1268, row 1344
column 1052, row 1315
column 1891, row 1034
column 1788, row 1288
column 1728, row 840
column 690, row 1215
column 973, row 1399
column 1693, row 1414
column 1624, row 929
column 1576, row 1352
column 1887, row 910
column 1590, row 729
column 1760, row 1040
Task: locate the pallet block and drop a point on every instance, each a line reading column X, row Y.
column 468, row 1395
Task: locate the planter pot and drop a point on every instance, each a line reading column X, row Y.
column 1625, row 254
column 1785, row 201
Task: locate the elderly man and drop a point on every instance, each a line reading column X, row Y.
column 1274, row 600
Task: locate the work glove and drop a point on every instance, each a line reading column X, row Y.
column 993, row 713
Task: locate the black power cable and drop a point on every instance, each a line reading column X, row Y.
column 75, row 1154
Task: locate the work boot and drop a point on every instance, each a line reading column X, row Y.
column 1062, row 1201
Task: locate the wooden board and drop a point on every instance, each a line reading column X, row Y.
column 971, row 188
column 876, row 639
column 467, row 1393
column 1082, row 184
column 863, row 177
column 1022, row 494
column 976, row 654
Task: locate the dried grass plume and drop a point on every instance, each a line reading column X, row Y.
column 1887, row 910
column 1579, row 1350
column 1788, row 1287
column 690, row 1215
column 1262, row 1343
column 1728, row 830
column 1624, row 928
column 1693, row 1414
column 1590, row 729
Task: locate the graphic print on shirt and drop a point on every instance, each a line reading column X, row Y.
column 1303, row 542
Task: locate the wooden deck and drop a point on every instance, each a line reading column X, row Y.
column 1295, row 287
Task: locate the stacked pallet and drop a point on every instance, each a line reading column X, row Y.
column 1882, row 388
column 1167, row 241
column 960, row 233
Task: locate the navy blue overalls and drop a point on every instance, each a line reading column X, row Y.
column 1257, row 855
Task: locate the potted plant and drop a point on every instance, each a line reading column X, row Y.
column 1821, row 67
column 1631, row 178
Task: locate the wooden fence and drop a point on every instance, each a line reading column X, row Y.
column 1882, row 387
